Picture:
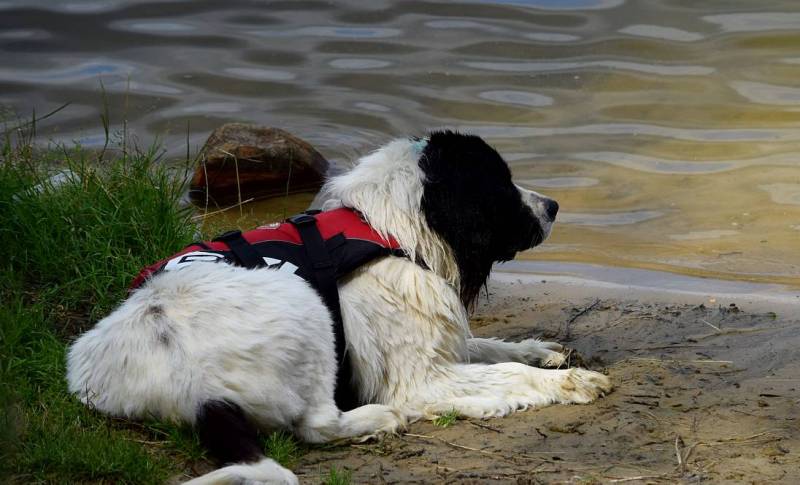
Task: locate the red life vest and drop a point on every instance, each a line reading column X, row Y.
column 350, row 241
column 320, row 247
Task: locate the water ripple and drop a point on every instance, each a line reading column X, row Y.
column 464, row 24
column 782, row 193
column 165, row 26
column 24, row 34
column 700, row 235
column 607, row 219
column 356, row 63
column 659, row 165
column 260, row 74
column 521, row 98
column 656, row 165
column 326, row 31
column 755, row 22
column 372, row 107
column 90, row 70
column 560, row 182
column 660, row 32
column 536, row 66
column 557, row 4
column 81, row 7
column 764, row 93
column 638, row 129
column 551, row 37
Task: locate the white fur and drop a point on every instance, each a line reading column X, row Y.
column 536, row 202
column 265, row 472
column 491, row 350
column 263, row 339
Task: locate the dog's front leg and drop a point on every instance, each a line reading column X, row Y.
column 484, row 391
column 528, row 351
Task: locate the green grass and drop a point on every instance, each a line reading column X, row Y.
column 337, row 476
column 70, row 252
column 283, row 448
column 446, row 419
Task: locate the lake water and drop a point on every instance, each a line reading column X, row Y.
column 668, row 130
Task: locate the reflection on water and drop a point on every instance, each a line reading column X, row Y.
column 668, row 130
column 608, row 218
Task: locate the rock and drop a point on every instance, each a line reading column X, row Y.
column 264, row 159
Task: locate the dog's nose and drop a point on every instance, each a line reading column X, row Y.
column 551, row 207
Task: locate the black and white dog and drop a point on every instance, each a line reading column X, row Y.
column 232, row 350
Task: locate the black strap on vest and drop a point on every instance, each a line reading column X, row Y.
column 241, row 249
column 325, row 276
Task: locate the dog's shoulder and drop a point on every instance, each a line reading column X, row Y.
column 398, row 285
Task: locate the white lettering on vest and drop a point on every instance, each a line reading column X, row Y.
column 279, row 265
column 192, row 257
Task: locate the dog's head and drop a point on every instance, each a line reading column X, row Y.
column 470, row 200
column 447, row 188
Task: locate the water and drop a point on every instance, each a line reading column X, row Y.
column 669, row 130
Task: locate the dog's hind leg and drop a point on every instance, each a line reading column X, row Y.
column 232, row 440
column 326, row 423
column 528, row 351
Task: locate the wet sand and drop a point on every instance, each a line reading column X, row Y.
column 706, row 390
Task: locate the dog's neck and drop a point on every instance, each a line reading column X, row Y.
column 386, row 186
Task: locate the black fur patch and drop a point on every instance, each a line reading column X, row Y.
column 225, row 431
column 471, row 202
column 155, row 310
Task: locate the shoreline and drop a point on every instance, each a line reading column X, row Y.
column 582, row 280
column 704, row 370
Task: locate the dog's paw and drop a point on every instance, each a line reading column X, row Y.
column 264, row 472
column 383, row 420
column 543, row 354
column 553, row 359
column 582, row 386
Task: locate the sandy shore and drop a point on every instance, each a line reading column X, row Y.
column 706, row 378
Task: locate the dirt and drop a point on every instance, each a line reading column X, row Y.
column 706, row 391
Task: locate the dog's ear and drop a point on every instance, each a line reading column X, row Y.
column 471, row 202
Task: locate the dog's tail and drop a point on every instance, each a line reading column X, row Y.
column 232, row 440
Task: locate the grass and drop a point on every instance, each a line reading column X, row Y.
column 446, row 419
column 70, row 251
column 337, row 476
column 283, row 448
column 72, row 244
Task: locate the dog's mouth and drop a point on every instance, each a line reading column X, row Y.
column 528, row 236
column 534, row 237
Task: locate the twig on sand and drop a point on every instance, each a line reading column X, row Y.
column 668, row 346
column 489, row 453
column 455, row 445
column 679, row 454
column 684, row 454
column 747, row 440
column 578, row 315
column 680, row 361
column 737, row 331
column 711, row 325
column 485, row 426
column 663, row 476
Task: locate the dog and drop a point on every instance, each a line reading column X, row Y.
column 232, row 350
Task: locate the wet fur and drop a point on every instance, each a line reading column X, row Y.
column 232, row 350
